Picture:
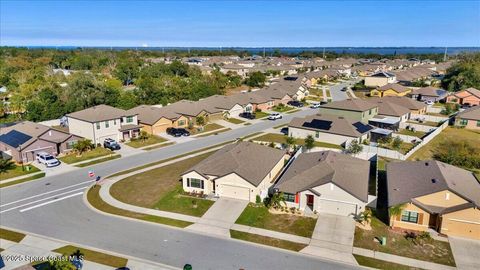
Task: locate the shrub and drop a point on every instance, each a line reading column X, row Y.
column 258, row 200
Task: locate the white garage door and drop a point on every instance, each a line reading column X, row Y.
column 336, row 208
column 234, row 192
column 235, row 112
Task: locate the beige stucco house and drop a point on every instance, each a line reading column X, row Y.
column 353, row 109
column 327, row 182
column 242, row 170
column 380, row 79
column 469, row 119
column 434, row 195
column 156, row 120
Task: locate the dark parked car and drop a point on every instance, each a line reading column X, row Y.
column 295, row 103
column 284, row 130
column 178, row 132
column 111, row 144
column 248, row 115
column 344, row 89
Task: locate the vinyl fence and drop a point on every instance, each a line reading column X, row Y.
column 431, row 118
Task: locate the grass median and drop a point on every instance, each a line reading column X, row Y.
column 93, row 162
column 11, row 235
column 19, row 181
column 265, row 240
column 94, row 256
column 379, row 264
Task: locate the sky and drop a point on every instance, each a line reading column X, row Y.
column 240, row 23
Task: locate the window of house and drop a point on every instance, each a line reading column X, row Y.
column 71, row 144
column 98, row 125
column 463, row 122
column 181, row 122
column 195, row 183
column 114, row 122
column 478, row 123
column 129, row 119
column 289, row 197
column 370, row 112
column 409, row 216
column 107, row 124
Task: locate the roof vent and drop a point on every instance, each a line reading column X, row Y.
column 434, row 180
column 426, row 164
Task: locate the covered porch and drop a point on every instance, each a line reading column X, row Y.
column 128, row 132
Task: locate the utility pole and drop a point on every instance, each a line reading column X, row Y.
column 445, row 55
column 263, row 52
column 323, row 52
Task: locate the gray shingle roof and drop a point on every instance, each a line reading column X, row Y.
column 99, row 113
column 470, row 113
column 358, row 105
column 397, row 87
column 318, row 168
column 331, row 124
column 251, row 161
column 389, row 108
column 412, row 179
column 150, row 115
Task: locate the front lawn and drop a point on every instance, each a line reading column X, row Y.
column 235, row 121
column 259, row 115
column 152, row 139
column 280, row 138
column 282, row 108
column 94, row 153
column 379, row 264
column 160, row 188
column 11, row 235
column 94, row 256
column 427, row 249
column 207, row 128
column 259, row 216
column 448, row 134
column 18, row 171
column 265, row 240
column 408, row 132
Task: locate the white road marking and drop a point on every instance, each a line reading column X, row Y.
column 43, row 199
column 45, row 193
column 52, row 201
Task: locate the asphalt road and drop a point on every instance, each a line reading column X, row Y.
column 54, row 207
column 337, row 94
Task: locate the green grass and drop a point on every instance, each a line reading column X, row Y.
column 11, row 235
column 214, row 133
column 94, row 256
column 18, row 171
column 282, row 109
column 207, row 128
column 431, row 250
column 448, row 134
column 152, row 139
column 11, row 183
column 158, row 146
column 418, row 134
column 95, row 153
column 404, row 147
column 93, row 162
column 94, row 199
column 259, row 115
column 280, row 126
column 379, row 264
column 269, row 241
column 293, row 111
column 160, row 189
column 235, row 120
column 280, row 138
column 260, row 217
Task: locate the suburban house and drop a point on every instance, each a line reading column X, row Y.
column 193, row 109
column 391, row 89
column 414, row 106
column 389, row 114
column 470, row 118
column 326, row 182
column 23, row 140
column 354, row 109
column 327, row 128
column 242, row 170
column 229, row 107
column 434, row 195
column 380, row 79
column 279, row 96
column 155, row 120
column 469, row 96
column 252, row 101
column 101, row 122
column 429, row 93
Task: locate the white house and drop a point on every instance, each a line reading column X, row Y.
column 327, row 182
column 380, row 79
column 101, row 122
column 242, row 170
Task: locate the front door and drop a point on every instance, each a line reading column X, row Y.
column 433, row 221
column 310, row 201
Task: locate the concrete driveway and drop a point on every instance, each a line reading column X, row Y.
column 333, row 238
column 220, row 217
column 466, row 253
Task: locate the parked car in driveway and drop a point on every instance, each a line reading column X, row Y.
column 275, row 116
column 429, row 102
column 111, row 144
column 284, row 130
column 295, row 103
column 47, row 159
column 344, row 89
column 247, row 115
column 184, row 132
column 178, row 132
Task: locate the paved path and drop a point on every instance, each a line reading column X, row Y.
column 333, row 237
column 220, row 217
column 466, row 253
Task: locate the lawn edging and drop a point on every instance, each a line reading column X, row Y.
column 22, row 180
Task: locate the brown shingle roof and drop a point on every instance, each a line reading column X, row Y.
column 318, row 168
column 470, row 113
column 150, row 115
column 251, row 161
column 405, row 102
column 99, row 113
column 397, row 87
column 358, row 105
column 389, row 108
column 331, row 124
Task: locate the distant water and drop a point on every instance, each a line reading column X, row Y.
column 362, row 50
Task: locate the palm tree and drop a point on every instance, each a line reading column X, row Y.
column 395, row 210
column 143, row 135
column 276, row 201
column 309, row 142
column 290, row 142
column 83, row 146
column 6, row 165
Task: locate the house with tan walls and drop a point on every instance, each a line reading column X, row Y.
column 469, row 96
column 155, row 120
column 327, row 182
column 380, row 79
column 391, row 89
column 354, row 109
column 434, row 195
column 242, row 170
column 469, row 119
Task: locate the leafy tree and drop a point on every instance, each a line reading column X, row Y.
column 83, row 146
column 277, row 200
column 6, row 165
column 309, row 142
column 143, row 135
column 256, row 79
column 60, row 265
column 200, row 120
column 290, row 142
column 463, row 74
column 354, row 147
column 396, row 143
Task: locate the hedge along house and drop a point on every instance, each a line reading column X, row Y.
column 434, row 195
column 242, row 170
column 327, row 182
column 354, row 109
column 23, row 140
column 156, row 120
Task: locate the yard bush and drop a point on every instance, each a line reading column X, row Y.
column 459, row 153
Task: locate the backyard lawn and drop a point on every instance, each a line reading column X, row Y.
column 94, row 153
column 426, row 249
column 426, row 123
column 259, row 216
column 269, row 241
column 18, row 171
column 408, row 132
column 235, row 120
column 404, row 147
column 161, row 189
column 152, row 139
column 280, row 138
